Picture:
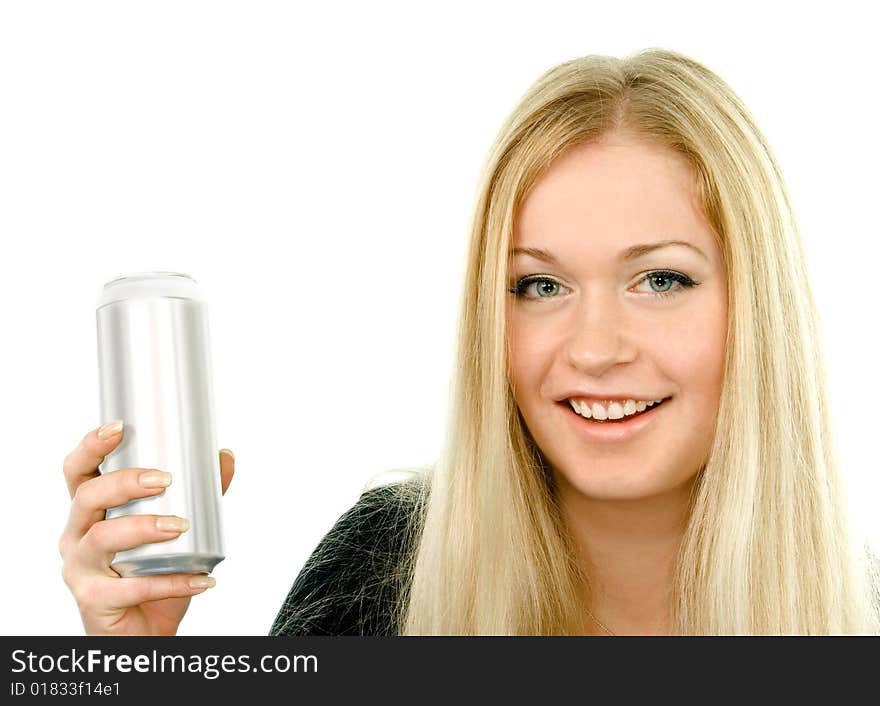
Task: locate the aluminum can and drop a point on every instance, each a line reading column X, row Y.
column 155, row 374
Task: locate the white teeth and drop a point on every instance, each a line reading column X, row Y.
column 582, row 410
column 615, row 410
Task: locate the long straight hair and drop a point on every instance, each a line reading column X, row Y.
column 768, row 549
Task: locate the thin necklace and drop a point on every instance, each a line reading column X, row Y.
column 600, row 623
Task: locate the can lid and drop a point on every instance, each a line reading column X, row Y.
column 150, row 284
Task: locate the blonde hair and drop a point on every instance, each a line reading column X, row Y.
column 768, row 550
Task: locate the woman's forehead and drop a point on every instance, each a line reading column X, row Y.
column 619, row 199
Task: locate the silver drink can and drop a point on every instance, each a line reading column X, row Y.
column 155, row 374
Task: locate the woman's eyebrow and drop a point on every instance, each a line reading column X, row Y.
column 631, row 253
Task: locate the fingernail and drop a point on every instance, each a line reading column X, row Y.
column 110, row 429
column 154, row 479
column 172, row 524
column 202, row 582
column 227, row 451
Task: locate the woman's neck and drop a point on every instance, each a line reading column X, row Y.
column 628, row 549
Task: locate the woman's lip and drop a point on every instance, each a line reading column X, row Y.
column 613, row 430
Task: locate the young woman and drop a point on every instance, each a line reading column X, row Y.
column 639, row 440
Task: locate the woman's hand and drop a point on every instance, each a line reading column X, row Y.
column 108, row 603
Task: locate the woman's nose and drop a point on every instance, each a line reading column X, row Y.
column 598, row 338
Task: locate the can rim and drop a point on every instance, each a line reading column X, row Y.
column 152, row 285
column 148, row 275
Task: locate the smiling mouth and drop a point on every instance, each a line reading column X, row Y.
column 623, row 420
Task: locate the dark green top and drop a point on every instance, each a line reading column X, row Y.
column 351, row 582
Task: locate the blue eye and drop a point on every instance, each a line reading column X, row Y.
column 663, row 283
column 672, row 279
column 527, row 282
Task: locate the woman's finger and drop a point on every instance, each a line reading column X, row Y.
column 115, row 593
column 107, row 537
column 82, row 463
column 227, row 468
column 94, row 496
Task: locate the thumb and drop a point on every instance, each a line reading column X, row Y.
column 227, row 469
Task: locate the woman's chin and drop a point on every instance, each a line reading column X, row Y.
column 615, row 485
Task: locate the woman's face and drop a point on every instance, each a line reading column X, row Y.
column 611, row 318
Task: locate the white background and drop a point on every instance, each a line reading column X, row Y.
column 313, row 166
